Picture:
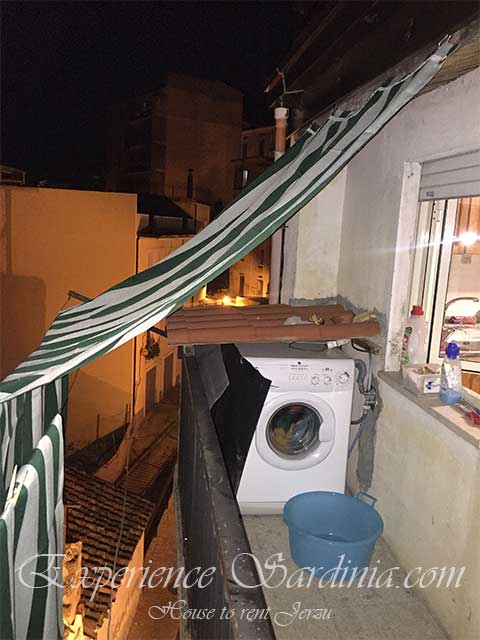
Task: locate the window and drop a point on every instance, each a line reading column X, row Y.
column 241, row 285
column 244, row 177
column 261, row 148
column 446, row 276
column 260, row 287
column 446, row 268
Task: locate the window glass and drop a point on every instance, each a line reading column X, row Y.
column 446, row 276
column 461, row 320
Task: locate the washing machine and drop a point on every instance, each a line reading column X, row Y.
column 301, row 439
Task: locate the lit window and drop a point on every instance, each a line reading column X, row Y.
column 446, row 278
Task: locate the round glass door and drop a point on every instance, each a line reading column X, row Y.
column 293, row 430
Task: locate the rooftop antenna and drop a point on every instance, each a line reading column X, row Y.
column 284, row 87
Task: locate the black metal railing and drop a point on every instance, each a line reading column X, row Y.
column 212, row 531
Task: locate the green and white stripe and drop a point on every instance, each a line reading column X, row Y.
column 31, row 544
column 30, row 523
column 23, row 420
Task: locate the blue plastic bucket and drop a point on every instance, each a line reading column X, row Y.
column 329, row 530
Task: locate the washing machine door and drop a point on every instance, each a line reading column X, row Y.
column 295, row 431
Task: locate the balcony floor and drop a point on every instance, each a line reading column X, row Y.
column 364, row 613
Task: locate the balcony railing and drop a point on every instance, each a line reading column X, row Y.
column 212, row 534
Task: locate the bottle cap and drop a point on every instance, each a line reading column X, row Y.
column 452, row 350
column 417, row 310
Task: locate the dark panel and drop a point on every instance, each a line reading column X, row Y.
column 236, row 413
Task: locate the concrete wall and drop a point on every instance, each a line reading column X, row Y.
column 440, row 123
column 55, row 240
column 426, row 477
column 127, row 597
column 312, row 246
column 344, row 241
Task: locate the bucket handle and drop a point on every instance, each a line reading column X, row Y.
column 367, row 495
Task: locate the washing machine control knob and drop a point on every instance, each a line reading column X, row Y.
column 327, row 379
column 315, row 380
column 344, row 377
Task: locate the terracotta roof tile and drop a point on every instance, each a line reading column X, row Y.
column 263, row 323
column 94, row 512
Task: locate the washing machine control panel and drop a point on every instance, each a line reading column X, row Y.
column 289, row 369
column 315, row 376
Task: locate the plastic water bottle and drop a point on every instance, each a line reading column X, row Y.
column 414, row 350
column 451, row 377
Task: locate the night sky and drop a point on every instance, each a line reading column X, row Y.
column 63, row 63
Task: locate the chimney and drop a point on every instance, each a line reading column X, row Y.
column 281, row 115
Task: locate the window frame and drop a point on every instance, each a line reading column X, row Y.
column 403, row 247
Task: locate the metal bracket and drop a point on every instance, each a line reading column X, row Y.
column 370, row 401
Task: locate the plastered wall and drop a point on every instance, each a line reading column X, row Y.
column 150, row 251
column 382, row 178
column 426, row 477
column 127, row 597
column 312, row 246
column 55, row 240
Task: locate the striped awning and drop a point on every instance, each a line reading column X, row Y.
column 83, row 333
column 31, row 544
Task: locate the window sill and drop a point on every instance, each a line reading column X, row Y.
column 444, row 414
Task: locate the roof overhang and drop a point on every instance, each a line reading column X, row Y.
column 353, row 45
column 464, row 59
